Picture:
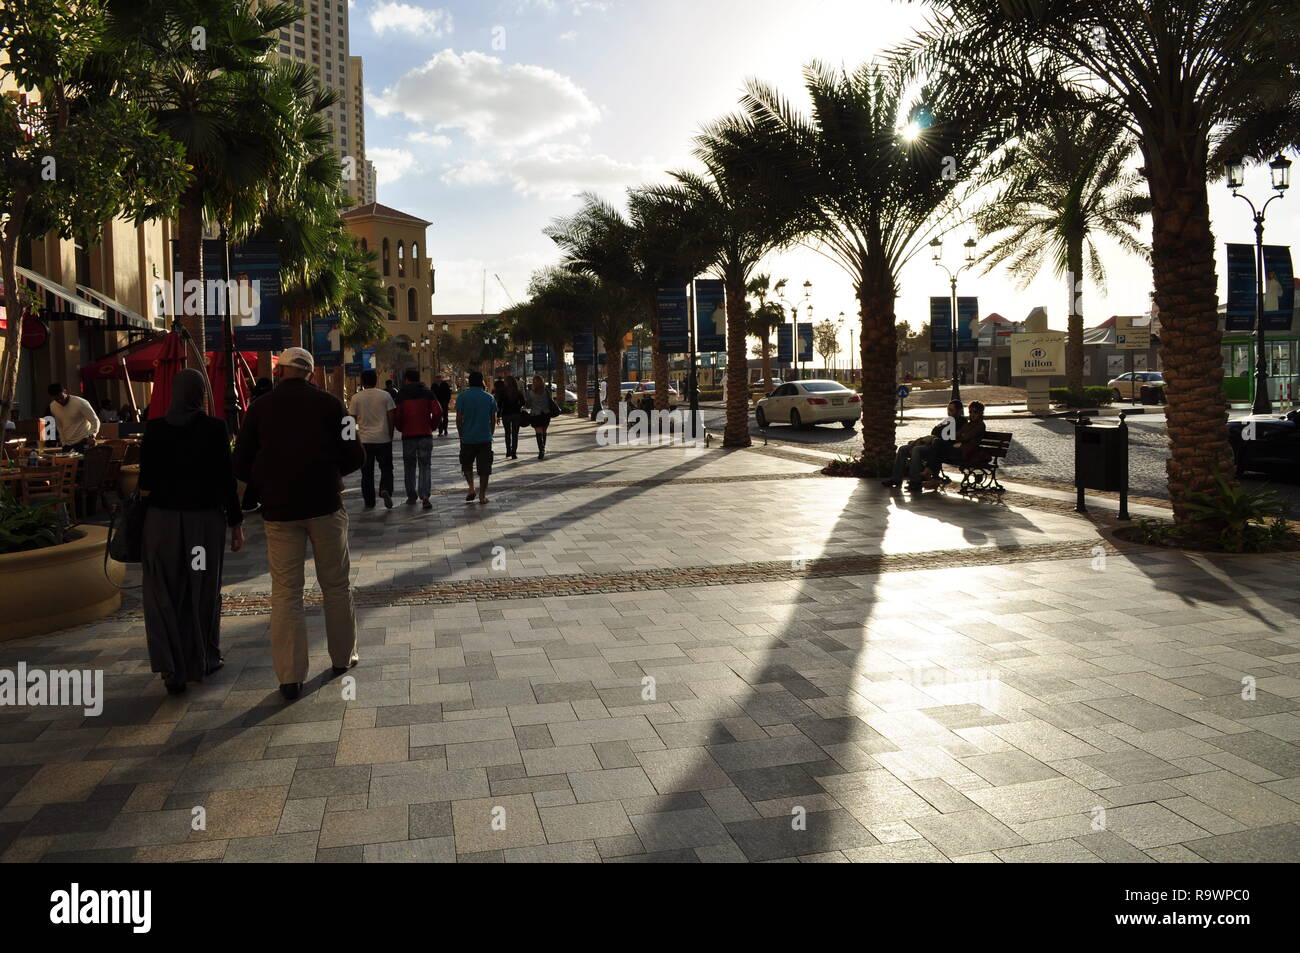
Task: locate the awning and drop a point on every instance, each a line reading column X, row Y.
column 77, row 304
column 129, row 316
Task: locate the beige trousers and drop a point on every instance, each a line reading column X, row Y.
column 286, row 549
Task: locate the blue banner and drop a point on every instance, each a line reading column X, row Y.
column 584, row 347
column 673, row 312
column 353, row 368
column 710, row 315
column 1241, row 288
column 784, row 345
column 805, row 342
column 254, row 294
column 327, row 349
column 941, row 324
column 1279, row 288
column 541, row 357
column 367, row 357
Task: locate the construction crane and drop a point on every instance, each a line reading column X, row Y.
column 504, row 288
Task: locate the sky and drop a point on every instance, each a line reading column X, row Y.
column 488, row 117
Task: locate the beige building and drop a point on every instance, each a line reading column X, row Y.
column 407, row 275
column 320, row 40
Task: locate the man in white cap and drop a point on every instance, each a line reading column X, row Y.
column 295, row 447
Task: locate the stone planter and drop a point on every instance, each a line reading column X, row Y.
column 57, row 587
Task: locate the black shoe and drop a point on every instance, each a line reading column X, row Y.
column 173, row 688
column 428, row 503
column 915, row 487
column 411, row 501
column 369, row 506
column 889, row 482
column 541, row 455
column 212, row 669
column 291, row 692
column 387, row 498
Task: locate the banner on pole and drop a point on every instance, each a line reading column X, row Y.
column 584, row 348
column 710, row 315
column 673, row 311
column 941, row 324
column 805, row 342
column 327, row 349
column 784, row 345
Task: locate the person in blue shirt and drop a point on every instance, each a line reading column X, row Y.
column 476, row 421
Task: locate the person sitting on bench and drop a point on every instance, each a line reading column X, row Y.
column 912, row 455
column 964, row 451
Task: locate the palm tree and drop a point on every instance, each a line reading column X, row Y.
column 561, row 304
column 623, row 253
column 1182, row 74
column 199, row 90
column 766, row 318
column 876, row 188
column 1070, row 183
column 736, row 215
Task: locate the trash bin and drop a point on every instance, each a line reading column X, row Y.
column 1101, row 462
column 1151, row 394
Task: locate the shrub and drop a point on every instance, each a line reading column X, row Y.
column 1089, row 397
column 25, row 526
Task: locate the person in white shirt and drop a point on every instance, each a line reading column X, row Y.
column 74, row 417
column 375, row 413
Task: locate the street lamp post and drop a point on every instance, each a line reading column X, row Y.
column 969, row 245
column 1280, row 168
column 228, row 332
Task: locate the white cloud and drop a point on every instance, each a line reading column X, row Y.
column 430, row 139
column 507, row 105
column 568, row 37
column 576, row 7
column 395, row 17
column 555, row 173
column 390, row 164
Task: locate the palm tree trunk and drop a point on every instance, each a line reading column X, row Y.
column 1074, row 332
column 767, row 359
column 582, row 372
column 659, row 362
column 10, row 236
column 613, row 373
column 879, row 346
column 560, row 376
column 190, row 238
column 736, row 433
column 1186, row 296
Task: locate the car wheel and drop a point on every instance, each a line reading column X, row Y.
column 761, row 418
column 849, row 424
column 795, row 420
column 1118, row 396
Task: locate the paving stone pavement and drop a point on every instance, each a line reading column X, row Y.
column 1081, row 704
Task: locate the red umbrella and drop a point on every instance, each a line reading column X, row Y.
column 169, row 362
column 217, row 379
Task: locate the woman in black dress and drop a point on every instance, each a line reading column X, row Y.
column 510, row 404
column 188, row 483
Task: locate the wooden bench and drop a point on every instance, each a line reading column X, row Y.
column 981, row 477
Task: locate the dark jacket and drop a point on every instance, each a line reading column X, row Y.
column 442, row 390
column 189, row 468
column 419, row 413
column 969, row 436
column 293, row 449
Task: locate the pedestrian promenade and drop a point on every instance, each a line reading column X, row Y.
column 698, row 655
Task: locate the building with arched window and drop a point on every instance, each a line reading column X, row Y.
column 408, row 279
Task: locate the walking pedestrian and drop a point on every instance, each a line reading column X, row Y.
column 511, row 409
column 188, row 481
column 442, row 391
column 419, row 415
column 476, row 422
column 540, row 404
column 294, row 446
column 376, row 416
column 391, row 388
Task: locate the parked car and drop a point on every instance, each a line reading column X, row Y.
column 643, row 393
column 570, row 396
column 808, row 403
column 1129, row 386
column 1263, row 444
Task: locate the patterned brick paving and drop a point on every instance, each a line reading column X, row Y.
column 943, row 680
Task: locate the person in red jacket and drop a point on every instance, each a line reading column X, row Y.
column 419, row 415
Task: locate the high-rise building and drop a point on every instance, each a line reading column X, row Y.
column 320, row 40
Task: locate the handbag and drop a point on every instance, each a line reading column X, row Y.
column 126, row 530
column 554, row 410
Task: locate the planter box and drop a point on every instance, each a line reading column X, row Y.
column 58, row 587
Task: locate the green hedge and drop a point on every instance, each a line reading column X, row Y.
column 1087, row 398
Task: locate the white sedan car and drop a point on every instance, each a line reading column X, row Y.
column 808, row 403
